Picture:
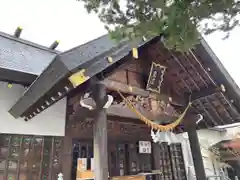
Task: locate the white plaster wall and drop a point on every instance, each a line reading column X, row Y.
column 49, row 122
column 206, row 139
column 187, row 156
column 211, row 136
column 233, row 132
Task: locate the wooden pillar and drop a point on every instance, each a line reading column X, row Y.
column 190, row 124
column 100, row 134
column 66, row 158
column 156, row 158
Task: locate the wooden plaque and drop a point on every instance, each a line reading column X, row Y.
column 155, row 77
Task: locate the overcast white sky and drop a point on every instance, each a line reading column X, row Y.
column 44, row 21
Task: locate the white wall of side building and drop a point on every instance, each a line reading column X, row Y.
column 207, row 138
column 50, row 122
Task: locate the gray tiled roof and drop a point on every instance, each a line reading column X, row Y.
column 91, row 56
column 23, row 56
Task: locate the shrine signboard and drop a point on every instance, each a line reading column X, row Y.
column 145, row 147
column 155, row 77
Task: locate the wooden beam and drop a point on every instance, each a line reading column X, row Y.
column 218, row 71
column 232, row 158
column 190, row 124
column 235, row 143
column 100, row 134
column 206, row 92
column 127, row 113
column 125, row 88
column 124, row 112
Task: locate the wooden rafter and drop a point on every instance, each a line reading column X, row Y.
column 202, row 91
column 224, row 120
column 198, row 102
column 209, row 106
column 151, row 52
column 206, row 87
column 205, row 92
column 231, row 108
column 191, row 53
column 186, row 59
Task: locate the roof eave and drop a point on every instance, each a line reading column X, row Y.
column 47, row 80
column 67, row 63
column 216, row 70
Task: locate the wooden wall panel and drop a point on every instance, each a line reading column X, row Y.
column 24, row 157
column 135, row 79
column 119, row 76
column 135, row 66
column 132, row 74
column 116, row 130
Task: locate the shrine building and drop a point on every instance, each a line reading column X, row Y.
column 88, row 112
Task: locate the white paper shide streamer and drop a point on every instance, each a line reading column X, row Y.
column 167, row 136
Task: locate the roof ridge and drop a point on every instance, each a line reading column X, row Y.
column 27, row 42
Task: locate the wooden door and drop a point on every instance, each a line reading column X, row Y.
column 122, row 160
column 117, row 159
column 133, row 157
column 112, row 159
column 138, row 162
column 81, row 149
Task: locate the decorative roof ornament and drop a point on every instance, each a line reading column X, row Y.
column 18, row 32
column 78, row 78
column 135, row 53
column 9, row 85
column 89, row 103
column 54, row 45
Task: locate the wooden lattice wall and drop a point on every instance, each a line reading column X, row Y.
column 24, row 157
column 169, row 160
